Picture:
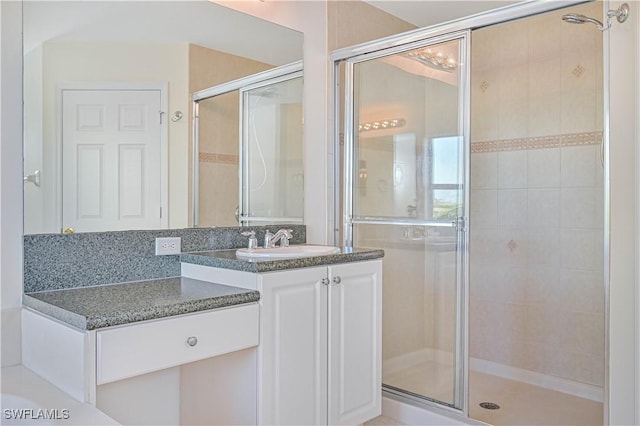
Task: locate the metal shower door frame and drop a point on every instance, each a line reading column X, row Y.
column 460, row 403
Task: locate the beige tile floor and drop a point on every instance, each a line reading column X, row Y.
column 520, row 403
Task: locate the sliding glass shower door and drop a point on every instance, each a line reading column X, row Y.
column 404, row 191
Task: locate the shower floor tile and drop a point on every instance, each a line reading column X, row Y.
column 520, row 403
column 428, row 378
column 524, row 404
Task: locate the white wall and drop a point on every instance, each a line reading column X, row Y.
column 624, row 356
column 33, row 195
column 10, row 179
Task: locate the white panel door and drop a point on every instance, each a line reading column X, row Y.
column 292, row 383
column 355, row 334
column 111, row 146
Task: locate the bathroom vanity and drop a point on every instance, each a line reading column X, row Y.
column 232, row 341
column 319, row 358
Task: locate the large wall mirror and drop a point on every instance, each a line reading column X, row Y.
column 98, row 72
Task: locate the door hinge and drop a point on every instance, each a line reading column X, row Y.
column 161, row 114
column 160, row 212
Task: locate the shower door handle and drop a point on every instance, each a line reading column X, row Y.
column 34, row 178
column 460, row 224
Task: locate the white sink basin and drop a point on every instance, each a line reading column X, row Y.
column 287, row 252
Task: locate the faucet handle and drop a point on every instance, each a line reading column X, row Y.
column 267, row 238
column 286, row 235
column 253, row 241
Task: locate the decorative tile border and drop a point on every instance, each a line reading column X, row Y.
column 210, row 157
column 540, row 142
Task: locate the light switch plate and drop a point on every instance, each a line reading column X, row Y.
column 165, row 246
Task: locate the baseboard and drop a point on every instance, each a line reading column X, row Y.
column 582, row 390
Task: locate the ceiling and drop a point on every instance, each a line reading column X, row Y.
column 425, row 13
column 206, row 24
column 199, row 22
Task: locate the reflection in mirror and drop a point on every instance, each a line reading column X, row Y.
column 408, row 140
column 107, row 117
column 217, row 172
column 265, row 109
column 273, row 180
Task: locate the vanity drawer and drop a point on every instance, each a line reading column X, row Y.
column 142, row 348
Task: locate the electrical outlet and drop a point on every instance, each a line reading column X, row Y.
column 166, row 246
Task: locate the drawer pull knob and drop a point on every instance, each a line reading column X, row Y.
column 192, row 341
column 337, row 280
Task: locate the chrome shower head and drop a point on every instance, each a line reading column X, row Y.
column 620, row 14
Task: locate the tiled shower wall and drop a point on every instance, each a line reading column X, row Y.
column 537, row 290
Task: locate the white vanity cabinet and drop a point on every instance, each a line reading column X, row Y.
column 355, row 337
column 164, row 360
column 319, row 357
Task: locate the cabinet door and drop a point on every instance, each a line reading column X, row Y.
column 292, row 381
column 355, row 321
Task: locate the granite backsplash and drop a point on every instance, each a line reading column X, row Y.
column 57, row 261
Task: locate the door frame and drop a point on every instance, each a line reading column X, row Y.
column 163, row 88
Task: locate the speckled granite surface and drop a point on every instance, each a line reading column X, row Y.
column 56, row 261
column 227, row 259
column 107, row 305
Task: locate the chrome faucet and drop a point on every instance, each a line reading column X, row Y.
column 253, row 241
column 283, row 235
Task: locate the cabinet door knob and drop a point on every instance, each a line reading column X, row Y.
column 325, row 281
column 337, row 280
column 192, row 341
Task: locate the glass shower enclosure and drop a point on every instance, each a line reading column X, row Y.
column 404, row 190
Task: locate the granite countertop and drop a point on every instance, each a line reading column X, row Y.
column 90, row 308
column 227, row 259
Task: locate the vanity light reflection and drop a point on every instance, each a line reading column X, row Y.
column 382, row 124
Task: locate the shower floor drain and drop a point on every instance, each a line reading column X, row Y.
column 489, row 405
